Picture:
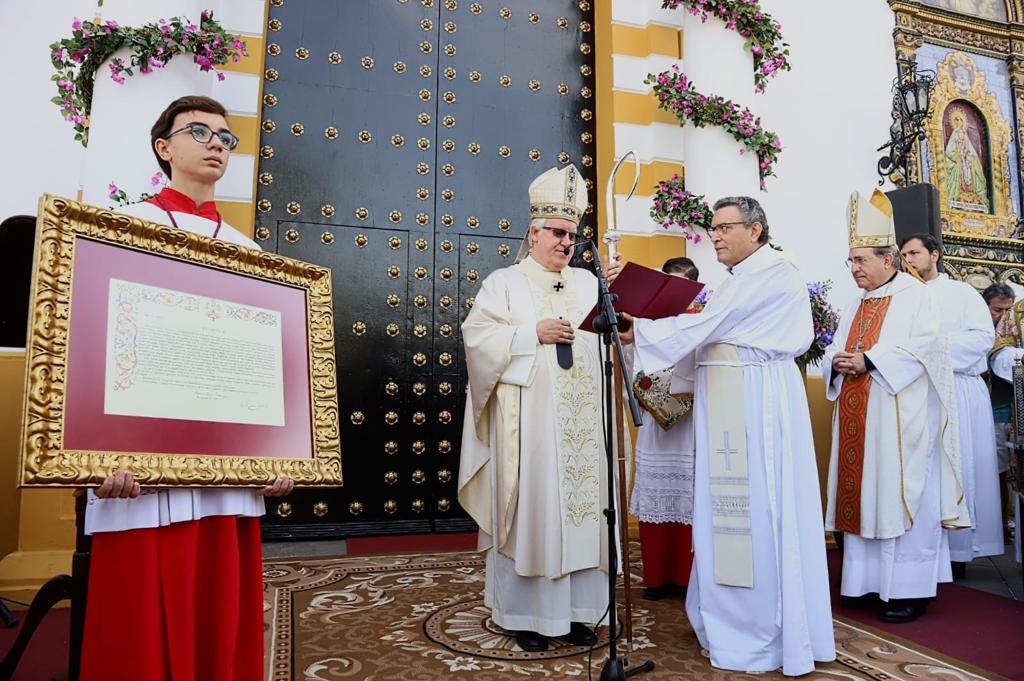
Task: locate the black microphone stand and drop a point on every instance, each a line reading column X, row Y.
column 607, row 324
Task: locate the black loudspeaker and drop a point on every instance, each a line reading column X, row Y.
column 915, row 210
column 17, row 241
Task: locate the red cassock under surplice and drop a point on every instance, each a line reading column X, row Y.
column 181, row 601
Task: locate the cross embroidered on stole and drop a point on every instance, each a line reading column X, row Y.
column 853, row 415
column 732, row 541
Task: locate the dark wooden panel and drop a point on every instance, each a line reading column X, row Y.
column 458, row 206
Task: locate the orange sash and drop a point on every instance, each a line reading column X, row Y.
column 853, row 416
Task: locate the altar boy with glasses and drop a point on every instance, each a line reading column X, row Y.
column 175, row 582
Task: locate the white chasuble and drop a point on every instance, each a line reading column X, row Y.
column 968, row 326
column 156, row 508
column 784, row 619
column 532, row 471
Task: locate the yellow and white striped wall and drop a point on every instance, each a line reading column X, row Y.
column 241, row 93
column 635, row 38
column 126, row 112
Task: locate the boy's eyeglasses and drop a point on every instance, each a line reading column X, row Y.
column 202, row 133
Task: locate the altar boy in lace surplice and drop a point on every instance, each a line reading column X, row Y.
column 663, row 489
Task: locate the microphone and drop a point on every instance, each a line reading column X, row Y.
column 563, row 354
column 568, row 249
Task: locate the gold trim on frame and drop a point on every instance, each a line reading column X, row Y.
column 43, row 462
column 1003, row 222
column 950, row 29
column 982, row 261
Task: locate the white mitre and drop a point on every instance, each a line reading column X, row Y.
column 557, row 193
column 870, row 221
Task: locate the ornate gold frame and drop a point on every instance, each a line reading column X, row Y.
column 982, row 261
column 43, row 461
column 1003, row 221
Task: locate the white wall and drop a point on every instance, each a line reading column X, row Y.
column 39, row 149
column 831, row 113
column 39, row 146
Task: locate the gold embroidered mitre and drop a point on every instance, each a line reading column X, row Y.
column 655, row 394
column 870, row 221
column 559, row 193
column 1008, row 330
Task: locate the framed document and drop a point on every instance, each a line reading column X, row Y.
column 187, row 360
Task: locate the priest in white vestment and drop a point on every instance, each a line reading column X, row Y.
column 894, row 476
column 967, row 325
column 758, row 597
column 532, row 472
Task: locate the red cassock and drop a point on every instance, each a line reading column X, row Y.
column 666, row 549
column 178, row 602
column 182, row 602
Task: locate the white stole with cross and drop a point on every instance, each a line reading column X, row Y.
column 727, row 464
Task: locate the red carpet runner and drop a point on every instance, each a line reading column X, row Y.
column 963, row 623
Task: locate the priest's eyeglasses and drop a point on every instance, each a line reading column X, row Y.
column 859, row 261
column 721, row 228
column 560, row 234
column 202, row 133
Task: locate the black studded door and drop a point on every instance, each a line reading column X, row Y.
column 398, row 141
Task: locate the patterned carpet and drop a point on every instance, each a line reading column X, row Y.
column 420, row 617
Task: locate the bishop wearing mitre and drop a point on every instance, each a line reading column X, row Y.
column 894, row 476
column 533, row 461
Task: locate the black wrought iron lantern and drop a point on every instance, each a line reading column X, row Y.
column 911, row 107
column 916, row 93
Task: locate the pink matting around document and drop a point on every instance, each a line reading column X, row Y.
column 86, row 427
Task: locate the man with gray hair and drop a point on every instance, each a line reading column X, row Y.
column 532, row 462
column 894, row 477
column 758, row 594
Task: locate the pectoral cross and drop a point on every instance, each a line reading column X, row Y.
column 559, row 286
column 858, row 347
column 727, row 451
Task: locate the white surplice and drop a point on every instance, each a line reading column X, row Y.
column 663, row 481
column 156, row 508
column 968, row 326
column 532, row 472
column 785, row 620
column 911, row 473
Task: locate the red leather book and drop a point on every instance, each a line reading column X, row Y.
column 649, row 294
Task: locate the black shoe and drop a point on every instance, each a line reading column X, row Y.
column 903, row 610
column 580, row 635
column 531, row 641
column 656, row 593
column 959, row 569
column 867, row 601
